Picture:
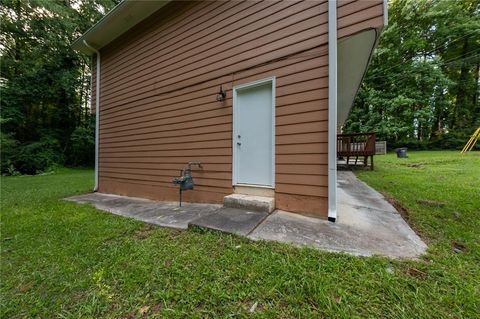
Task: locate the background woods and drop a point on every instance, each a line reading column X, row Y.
column 45, row 86
column 422, row 87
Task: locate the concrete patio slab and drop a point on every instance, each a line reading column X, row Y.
column 231, row 220
column 366, row 225
column 166, row 214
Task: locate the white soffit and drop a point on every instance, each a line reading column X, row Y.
column 120, row 19
column 353, row 56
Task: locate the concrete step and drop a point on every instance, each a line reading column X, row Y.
column 231, row 220
column 250, row 202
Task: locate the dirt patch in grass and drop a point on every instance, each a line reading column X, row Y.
column 25, row 287
column 416, row 165
column 459, row 247
column 430, row 203
column 143, row 232
column 414, row 272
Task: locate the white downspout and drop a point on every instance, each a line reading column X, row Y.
column 332, row 110
column 97, row 112
column 385, row 13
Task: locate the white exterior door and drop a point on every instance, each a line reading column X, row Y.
column 254, row 134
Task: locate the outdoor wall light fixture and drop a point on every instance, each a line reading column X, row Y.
column 221, row 95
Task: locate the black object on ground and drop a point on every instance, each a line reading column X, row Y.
column 401, row 152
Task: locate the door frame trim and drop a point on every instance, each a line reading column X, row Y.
column 235, row 129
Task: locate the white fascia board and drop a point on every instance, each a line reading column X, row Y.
column 120, row 19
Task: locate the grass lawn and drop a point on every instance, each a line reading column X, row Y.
column 61, row 259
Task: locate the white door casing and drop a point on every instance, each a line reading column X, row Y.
column 254, row 133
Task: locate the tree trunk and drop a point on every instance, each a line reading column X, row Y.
column 476, row 105
column 461, row 98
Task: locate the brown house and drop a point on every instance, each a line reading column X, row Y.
column 254, row 90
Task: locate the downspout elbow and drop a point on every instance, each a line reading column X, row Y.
column 97, row 112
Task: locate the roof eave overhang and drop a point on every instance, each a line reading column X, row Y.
column 119, row 20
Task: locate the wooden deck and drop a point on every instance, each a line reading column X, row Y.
column 357, row 146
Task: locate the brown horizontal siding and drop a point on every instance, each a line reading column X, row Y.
column 168, row 147
column 215, row 71
column 202, row 94
column 167, row 174
column 310, row 148
column 188, row 50
column 175, row 127
column 183, row 133
column 176, row 140
column 292, row 187
column 148, row 124
column 160, row 79
column 306, row 169
column 299, row 138
column 207, row 148
column 216, row 167
column 179, row 161
column 221, row 151
column 285, row 86
column 377, row 21
column 309, row 204
column 355, row 16
column 167, row 180
column 215, row 170
column 160, row 192
column 196, row 31
column 298, row 179
column 150, row 36
column 175, row 17
column 301, row 159
column 218, row 68
column 314, row 116
column 185, row 44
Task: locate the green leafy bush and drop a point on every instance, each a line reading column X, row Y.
column 39, row 156
column 81, row 146
column 449, row 141
column 8, row 149
column 48, row 152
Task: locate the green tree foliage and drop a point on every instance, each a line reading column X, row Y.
column 45, row 85
column 422, row 86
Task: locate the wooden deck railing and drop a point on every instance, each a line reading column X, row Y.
column 356, row 145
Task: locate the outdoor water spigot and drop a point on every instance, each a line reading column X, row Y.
column 185, row 180
column 189, row 165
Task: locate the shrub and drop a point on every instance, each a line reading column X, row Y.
column 81, row 146
column 39, row 156
column 454, row 140
column 8, row 150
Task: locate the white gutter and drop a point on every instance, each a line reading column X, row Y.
column 123, row 17
column 332, row 110
column 97, row 112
